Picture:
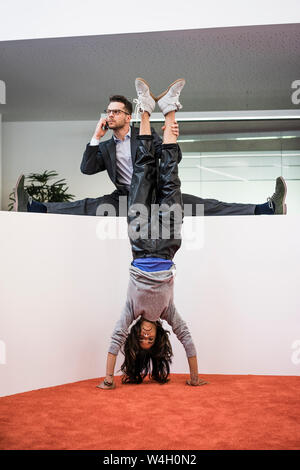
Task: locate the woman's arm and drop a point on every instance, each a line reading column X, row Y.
column 117, row 339
column 195, row 379
column 110, row 368
column 182, row 332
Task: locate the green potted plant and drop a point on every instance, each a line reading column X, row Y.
column 39, row 188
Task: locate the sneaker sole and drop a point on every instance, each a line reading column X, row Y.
column 146, row 83
column 166, row 91
column 16, row 203
column 284, row 208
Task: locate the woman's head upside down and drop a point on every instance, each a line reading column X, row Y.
column 147, row 351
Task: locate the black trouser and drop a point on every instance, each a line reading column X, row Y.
column 155, row 231
column 98, row 206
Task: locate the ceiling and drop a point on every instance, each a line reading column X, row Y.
column 225, row 69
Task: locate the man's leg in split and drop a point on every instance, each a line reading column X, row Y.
column 103, row 205
column 107, row 205
column 274, row 205
column 194, row 205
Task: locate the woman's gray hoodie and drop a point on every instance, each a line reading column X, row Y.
column 150, row 295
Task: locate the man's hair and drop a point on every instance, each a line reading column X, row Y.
column 122, row 99
column 139, row 363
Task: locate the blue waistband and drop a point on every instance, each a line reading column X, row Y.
column 152, row 264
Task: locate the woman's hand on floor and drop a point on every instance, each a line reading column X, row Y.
column 196, row 382
column 106, row 387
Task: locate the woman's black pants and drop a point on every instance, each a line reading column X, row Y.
column 155, row 208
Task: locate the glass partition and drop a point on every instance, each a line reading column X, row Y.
column 238, row 161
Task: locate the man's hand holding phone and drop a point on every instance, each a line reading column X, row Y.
column 101, row 129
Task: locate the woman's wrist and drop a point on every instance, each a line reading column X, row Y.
column 108, row 383
column 194, row 376
column 193, row 366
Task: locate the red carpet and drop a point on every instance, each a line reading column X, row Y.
column 231, row 412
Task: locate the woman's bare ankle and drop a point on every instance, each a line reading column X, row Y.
column 169, row 137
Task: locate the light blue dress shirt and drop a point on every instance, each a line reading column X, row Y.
column 124, row 160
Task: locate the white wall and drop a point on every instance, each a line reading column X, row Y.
column 0, row 160
column 38, row 146
column 37, row 19
column 62, row 290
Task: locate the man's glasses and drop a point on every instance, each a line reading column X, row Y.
column 114, row 112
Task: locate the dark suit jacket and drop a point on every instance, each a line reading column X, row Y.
column 103, row 157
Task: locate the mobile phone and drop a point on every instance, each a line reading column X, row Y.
column 105, row 127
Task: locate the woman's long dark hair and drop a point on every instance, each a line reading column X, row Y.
column 138, row 361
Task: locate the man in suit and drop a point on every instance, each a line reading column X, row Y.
column 117, row 156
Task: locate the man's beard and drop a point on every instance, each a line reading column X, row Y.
column 116, row 127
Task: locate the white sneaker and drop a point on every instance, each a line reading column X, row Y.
column 145, row 100
column 168, row 100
